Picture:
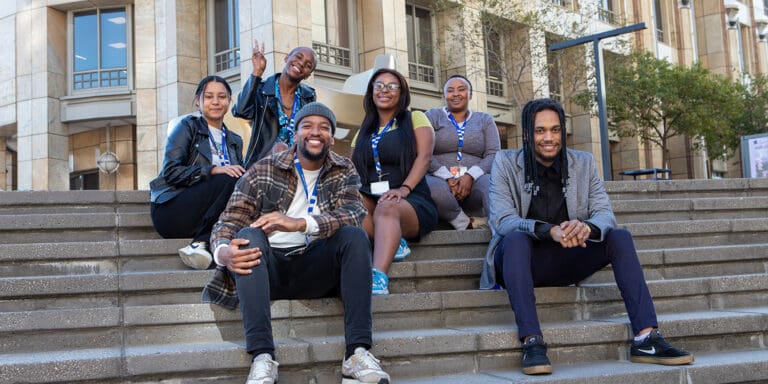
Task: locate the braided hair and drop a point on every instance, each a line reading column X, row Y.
column 529, row 152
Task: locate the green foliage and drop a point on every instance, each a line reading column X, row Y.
column 655, row 100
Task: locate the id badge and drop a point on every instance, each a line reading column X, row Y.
column 458, row 171
column 380, row 187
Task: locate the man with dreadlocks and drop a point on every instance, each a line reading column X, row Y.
column 553, row 226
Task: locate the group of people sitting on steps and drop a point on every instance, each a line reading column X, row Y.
column 294, row 220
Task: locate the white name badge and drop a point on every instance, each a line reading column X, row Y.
column 458, row 171
column 380, row 187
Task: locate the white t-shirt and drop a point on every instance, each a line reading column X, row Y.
column 217, row 154
column 298, row 208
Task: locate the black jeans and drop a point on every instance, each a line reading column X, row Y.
column 523, row 263
column 194, row 211
column 340, row 264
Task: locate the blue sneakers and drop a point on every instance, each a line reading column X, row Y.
column 403, row 250
column 380, row 284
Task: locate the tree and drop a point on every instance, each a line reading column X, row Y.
column 505, row 31
column 655, row 100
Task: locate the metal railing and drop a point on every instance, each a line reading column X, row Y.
column 659, row 35
column 228, row 59
column 332, row 54
column 608, row 16
column 562, row 3
column 100, row 79
column 421, row 72
column 495, row 87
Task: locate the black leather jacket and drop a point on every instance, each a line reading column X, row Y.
column 187, row 158
column 257, row 102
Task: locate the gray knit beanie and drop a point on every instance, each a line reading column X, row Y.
column 316, row 109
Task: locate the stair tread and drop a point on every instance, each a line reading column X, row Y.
column 737, row 366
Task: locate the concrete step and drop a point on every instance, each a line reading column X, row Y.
column 25, row 327
column 405, row 353
column 693, row 208
column 673, row 189
column 749, row 366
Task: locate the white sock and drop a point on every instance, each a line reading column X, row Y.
column 639, row 339
column 461, row 222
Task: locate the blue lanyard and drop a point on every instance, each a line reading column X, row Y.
column 375, row 145
column 312, row 200
column 224, row 151
column 287, row 125
column 460, row 132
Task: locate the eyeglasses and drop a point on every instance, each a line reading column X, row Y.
column 392, row 87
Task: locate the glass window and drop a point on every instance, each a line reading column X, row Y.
column 494, row 62
column 100, row 49
column 658, row 21
column 330, row 32
column 420, row 49
column 226, row 41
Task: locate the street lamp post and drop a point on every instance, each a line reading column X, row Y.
column 600, row 77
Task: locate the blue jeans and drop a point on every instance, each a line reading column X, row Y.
column 523, row 263
column 338, row 265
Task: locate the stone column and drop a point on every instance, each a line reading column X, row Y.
column 3, row 165
column 7, row 64
column 384, row 33
column 280, row 25
column 170, row 61
column 40, row 80
column 461, row 46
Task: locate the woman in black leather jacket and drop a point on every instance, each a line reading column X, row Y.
column 198, row 175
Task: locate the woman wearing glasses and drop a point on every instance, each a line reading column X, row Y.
column 391, row 153
column 466, row 143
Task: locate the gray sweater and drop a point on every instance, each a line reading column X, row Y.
column 481, row 142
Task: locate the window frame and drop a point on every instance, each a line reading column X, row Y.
column 433, row 43
column 211, row 40
column 351, row 22
column 489, row 80
column 98, row 91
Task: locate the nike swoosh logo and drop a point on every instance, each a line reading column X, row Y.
column 648, row 351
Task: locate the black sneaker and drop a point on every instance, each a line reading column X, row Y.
column 535, row 361
column 655, row 350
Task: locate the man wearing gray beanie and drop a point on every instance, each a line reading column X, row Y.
column 292, row 230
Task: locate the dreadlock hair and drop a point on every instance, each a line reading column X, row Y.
column 362, row 156
column 529, row 151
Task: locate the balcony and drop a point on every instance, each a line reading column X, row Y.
column 563, row 3
column 608, row 16
column 228, row 59
column 331, row 54
column 421, row 72
column 105, row 78
column 495, row 87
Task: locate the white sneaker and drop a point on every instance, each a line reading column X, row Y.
column 263, row 370
column 196, row 256
column 362, row 367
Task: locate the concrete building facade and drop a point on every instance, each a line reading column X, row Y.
column 82, row 78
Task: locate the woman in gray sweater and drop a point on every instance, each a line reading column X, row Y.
column 466, row 143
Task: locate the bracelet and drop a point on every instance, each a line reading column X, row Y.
column 407, row 186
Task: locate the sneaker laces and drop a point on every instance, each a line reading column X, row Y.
column 262, row 368
column 367, row 360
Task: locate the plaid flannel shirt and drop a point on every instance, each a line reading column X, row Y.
column 268, row 186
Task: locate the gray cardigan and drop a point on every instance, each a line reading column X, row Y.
column 585, row 198
column 481, row 142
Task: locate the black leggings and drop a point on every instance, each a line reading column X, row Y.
column 194, row 211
